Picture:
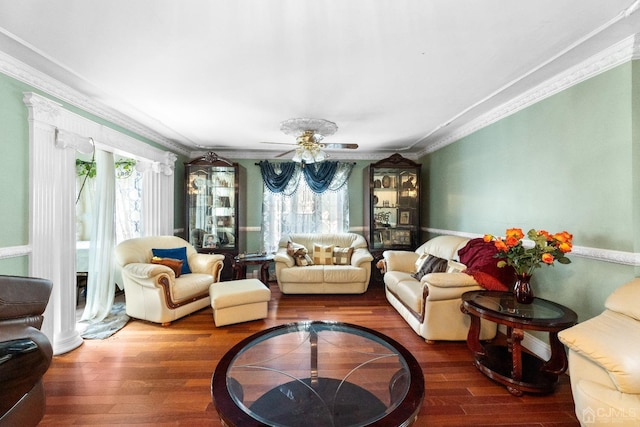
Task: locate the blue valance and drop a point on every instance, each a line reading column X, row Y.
column 319, row 176
column 277, row 181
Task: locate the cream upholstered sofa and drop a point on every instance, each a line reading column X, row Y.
column 604, row 361
column 152, row 291
column 431, row 305
column 350, row 278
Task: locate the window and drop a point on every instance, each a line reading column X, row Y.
column 298, row 209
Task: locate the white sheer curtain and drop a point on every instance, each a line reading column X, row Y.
column 299, row 210
column 100, row 280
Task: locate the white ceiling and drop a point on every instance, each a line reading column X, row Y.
column 395, row 75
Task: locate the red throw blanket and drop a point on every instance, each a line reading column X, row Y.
column 479, row 257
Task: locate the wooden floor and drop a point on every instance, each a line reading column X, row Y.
column 151, row 375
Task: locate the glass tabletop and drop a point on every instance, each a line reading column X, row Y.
column 538, row 309
column 322, row 374
column 504, row 305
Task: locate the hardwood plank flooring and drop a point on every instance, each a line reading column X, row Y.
column 149, row 375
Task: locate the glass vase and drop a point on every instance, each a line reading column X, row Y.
column 522, row 289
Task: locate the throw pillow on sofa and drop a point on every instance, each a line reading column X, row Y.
column 323, row 254
column 342, row 256
column 433, row 264
column 299, row 254
column 421, row 260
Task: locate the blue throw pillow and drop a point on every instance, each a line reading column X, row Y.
column 175, row 253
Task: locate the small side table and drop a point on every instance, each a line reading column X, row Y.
column 240, row 266
column 507, row 364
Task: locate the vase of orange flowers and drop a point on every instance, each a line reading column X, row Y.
column 546, row 249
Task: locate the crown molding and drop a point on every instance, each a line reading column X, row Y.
column 344, row 155
column 29, row 75
column 620, row 53
column 605, row 255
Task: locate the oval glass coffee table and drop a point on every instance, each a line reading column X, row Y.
column 318, row 374
column 519, row 370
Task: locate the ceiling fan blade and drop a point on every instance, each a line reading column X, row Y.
column 334, row 145
column 285, row 153
column 278, row 143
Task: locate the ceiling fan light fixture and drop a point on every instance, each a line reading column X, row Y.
column 308, row 155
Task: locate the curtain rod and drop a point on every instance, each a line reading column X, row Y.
column 353, row 163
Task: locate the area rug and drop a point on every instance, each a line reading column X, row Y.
column 111, row 324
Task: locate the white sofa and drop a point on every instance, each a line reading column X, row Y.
column 324, row 279
column 604, row 361
column 431, row 306
column 152, row 291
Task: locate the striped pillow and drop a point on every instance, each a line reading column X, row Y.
column 322, row 255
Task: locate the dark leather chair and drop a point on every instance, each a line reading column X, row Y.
column 25, row 352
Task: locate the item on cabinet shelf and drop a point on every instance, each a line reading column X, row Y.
column 408, row 183
column 385, row 203
column 386, row 181
column 382, row 218
column 375, row 200
column 377, row 183
column 210, row 241
column 404, row 217
column 224, row 202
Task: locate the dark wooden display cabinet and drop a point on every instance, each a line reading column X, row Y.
column 212, row 207
column 391, row 207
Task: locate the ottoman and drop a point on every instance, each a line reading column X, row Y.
column 239, row 301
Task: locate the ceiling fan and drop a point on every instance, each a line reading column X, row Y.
column 309, row 134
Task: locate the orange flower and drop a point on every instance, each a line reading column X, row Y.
column 512, row 241
column 547, row 258
column 565, row 247
column 500, row 245
column 563, row 237
column 488, row 237
column 515, row 233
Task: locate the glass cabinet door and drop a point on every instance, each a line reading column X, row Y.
column 212, row 204
column 212, row 208
column 212, row 201
column 392, row 217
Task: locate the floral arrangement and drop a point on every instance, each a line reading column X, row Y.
column 547, row 249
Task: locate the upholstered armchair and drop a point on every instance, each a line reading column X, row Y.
column 158, row 287
column 604, row 365
column 25, row 352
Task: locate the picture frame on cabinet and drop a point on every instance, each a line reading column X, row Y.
column 404, row 216
column 209, row 241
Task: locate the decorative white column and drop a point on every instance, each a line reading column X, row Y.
column 52, row 220
column 158, row 183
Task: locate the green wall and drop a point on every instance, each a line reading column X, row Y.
column 568, row 162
